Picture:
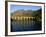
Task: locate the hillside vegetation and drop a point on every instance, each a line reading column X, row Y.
column 28, row 13
column 22, row 13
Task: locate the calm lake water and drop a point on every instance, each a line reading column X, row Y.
column 17, row 26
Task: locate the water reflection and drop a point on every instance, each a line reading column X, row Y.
column 25, row 26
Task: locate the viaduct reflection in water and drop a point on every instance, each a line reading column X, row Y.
column 28, row 25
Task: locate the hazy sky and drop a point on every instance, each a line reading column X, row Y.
column 20, row 7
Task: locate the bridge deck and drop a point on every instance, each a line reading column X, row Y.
column 22, row 18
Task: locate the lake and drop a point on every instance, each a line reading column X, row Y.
column 18, row 26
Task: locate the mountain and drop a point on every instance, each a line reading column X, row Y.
column 22, row 13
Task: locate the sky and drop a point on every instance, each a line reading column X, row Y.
column 23, row 7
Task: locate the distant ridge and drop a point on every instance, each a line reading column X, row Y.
column 22, row 13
